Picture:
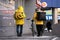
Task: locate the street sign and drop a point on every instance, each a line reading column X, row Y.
column 44, row 4
column 52, row 3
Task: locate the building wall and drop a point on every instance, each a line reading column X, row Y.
column 29, row 10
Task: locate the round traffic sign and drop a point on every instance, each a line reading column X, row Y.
column 44, row 4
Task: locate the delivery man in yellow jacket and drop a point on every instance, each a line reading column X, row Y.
column 19, row 18
column 39, row 24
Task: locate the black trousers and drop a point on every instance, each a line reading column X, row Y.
column 19, row 30
column 40, row 29
column 49, row 27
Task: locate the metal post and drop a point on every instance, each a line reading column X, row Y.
column 54, row 12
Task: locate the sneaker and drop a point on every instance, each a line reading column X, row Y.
column 50, row 30
column 45, row 29
column 36, row 37
column 19, row 35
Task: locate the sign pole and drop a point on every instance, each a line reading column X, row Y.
column 55, row 15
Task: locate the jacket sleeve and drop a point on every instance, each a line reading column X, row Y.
column 15, row 16
column 34, row 16
column 24, row 15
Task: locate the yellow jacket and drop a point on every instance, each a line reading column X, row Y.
column 20, row 15
column 36, row 21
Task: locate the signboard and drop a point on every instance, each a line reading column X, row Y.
column 49, row 17
column 52, row 3
column 48, row 12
